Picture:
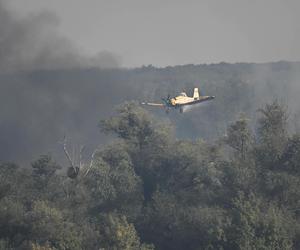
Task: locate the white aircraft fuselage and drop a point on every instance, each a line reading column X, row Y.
column 182, row 100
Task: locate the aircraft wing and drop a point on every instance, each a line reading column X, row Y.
column 203, row 99
column 153, row 104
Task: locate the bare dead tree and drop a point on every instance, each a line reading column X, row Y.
column 74, row 169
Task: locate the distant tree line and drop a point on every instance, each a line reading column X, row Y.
column 48, row 104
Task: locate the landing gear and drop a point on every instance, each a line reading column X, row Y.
column 181, row 110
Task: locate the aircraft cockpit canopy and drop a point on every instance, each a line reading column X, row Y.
column 183, row 94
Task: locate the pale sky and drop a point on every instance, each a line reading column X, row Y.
column 165, row 32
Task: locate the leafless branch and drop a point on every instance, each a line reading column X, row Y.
column 80, row 156
column 91, row 164
column 67, row 153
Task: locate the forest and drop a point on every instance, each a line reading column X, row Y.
column 83, row 166
column 147, row 188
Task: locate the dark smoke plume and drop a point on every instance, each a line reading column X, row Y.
column 43, row 94
column 49, row 89
column 33, row 43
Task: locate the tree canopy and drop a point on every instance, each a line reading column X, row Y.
column 150, row 190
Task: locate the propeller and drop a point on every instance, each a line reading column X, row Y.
column 167, row 100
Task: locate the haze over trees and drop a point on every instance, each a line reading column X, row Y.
column 71, row 102
column 148, row 189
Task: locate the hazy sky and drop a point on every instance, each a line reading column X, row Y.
column 165, row 32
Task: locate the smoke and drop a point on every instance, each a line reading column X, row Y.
column 195, row 106
column 34, row 43
column 44, row 93
column 49, row 89
column 38, row 108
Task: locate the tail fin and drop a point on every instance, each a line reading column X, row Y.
column 196, row 94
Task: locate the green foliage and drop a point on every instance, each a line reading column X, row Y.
column 44, row 177
column 47, row 225
column 148, row 187
column 290, row 159
column 13, row 180
column 44, row 167
column 172, row 224
column 283, row 187
column 132, row 124
column 113, row 183
column 240, row 173
column 257, row 225
column 146, row 141
column 119, row 234
column 239, row 137
column 272, row 134
column 13, row 226
column 39, row 247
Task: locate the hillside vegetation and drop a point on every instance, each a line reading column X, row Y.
column 149, row 189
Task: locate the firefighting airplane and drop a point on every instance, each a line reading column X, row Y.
column 181, row 101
